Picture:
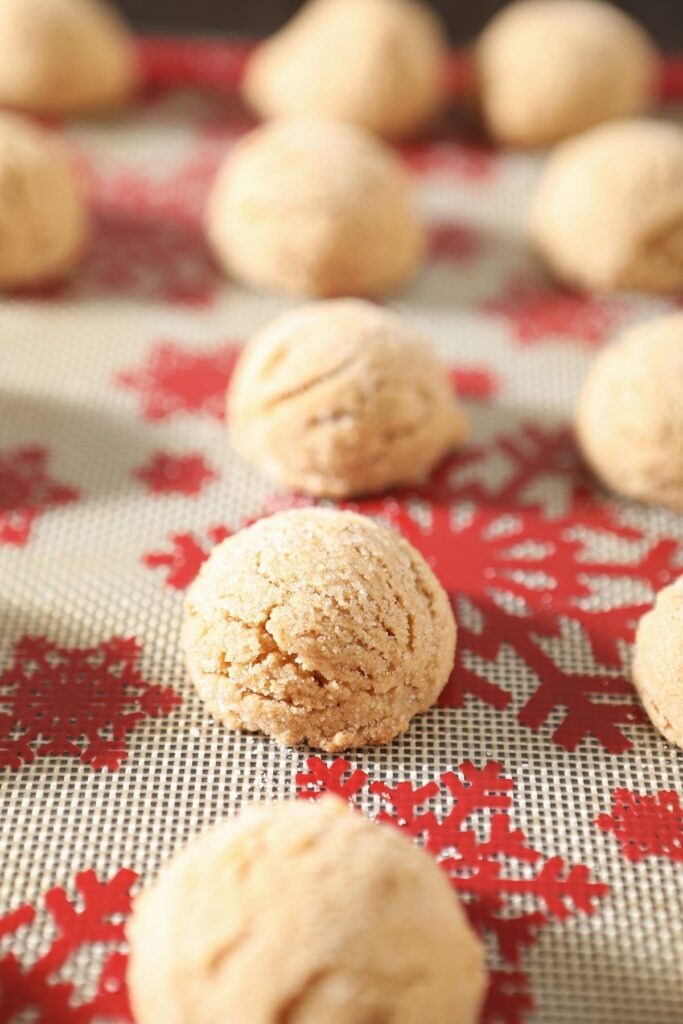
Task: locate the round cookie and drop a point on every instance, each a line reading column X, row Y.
column 658, row 662
column 385, row 75
column 629, row 416
column 608, row 211
column 354, row 923
column 341, row 398
column 63, row 57
column 545, row 71
column 43, row 219
column 318, row 626
column 315, row 208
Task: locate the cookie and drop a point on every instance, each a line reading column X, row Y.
column 65, row 57
column 629, row 416
column 318, row 626
column 545, row 71
column 43, row 219
column 342, row 398
column 386, row 75
column 305, row 913
column 608, row 211
column 658, row 663
column 315, row 208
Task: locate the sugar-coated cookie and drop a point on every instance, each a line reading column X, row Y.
column 305, row 913
column 321, row 626
column 43, row 219
column 315, row 208
column 64, row 57
column 374, row 63
column 608, row 211
column 342, row 398
column 629, row 416
column 658, row 662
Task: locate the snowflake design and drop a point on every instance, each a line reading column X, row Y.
column 456, row 242
column 95, row 917
column 646, row 826
column 474, row 382
column 148, row 241
column 175, row 380
column 524, row 581
column 27, row 491
column 185, row 557
column 489, row 862
column 176, row 474
column 471, row 162
column 76, row 702
column 538, row 313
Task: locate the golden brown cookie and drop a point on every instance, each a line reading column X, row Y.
column 318, row 626
column 43, row 219
column 65, row 56
column 304, row 913
column 658, row 662
column 629, row 416
column 385, row 75
column 342, row 398
column 608, row 212
column 315, row 208
column 549, row 70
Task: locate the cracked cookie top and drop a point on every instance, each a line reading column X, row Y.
column 303, row 913
column 321, row 626
column 341, row 399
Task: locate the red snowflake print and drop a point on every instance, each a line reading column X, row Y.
column 508, row 1000
column 177, row 380
column 27, row 491
column 471, row 162
column 75, row 702
column 148, row 242
column 539, row 313
column 488, row 861
column 186, row 556
column 475, row 382
column 201, row 63
column 456, row 242
column 646, row 826
column 94, row 918
column 176, row 474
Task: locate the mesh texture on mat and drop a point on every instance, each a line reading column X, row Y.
column 107, row 381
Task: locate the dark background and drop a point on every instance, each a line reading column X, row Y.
column 664, row 18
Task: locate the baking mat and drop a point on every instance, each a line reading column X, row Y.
column 550, row 801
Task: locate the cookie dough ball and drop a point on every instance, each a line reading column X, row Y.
column 342, row 398
column 315, row 208
column 64, row 56
column 629, row 418
column 374, row 63
column 658, row 662
column 608, row 213
column 304, row 913
column 321, row 626
column 43, row 220
column 549, row 70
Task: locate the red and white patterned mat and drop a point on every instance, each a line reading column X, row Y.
column 537, row 783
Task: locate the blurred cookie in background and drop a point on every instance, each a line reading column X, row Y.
column 374, row 63
column 65, row 57
column 548, row 70
column 608, row 210
column 316, row 207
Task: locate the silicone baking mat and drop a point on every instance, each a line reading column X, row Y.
column 550, row 801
